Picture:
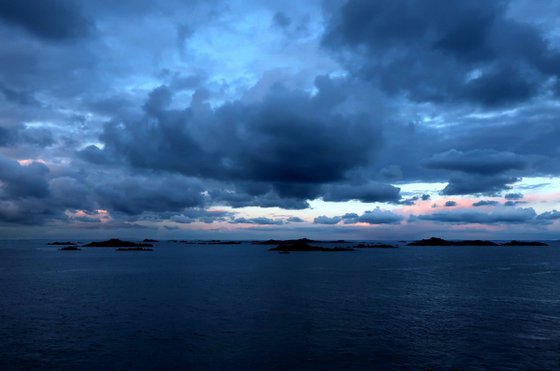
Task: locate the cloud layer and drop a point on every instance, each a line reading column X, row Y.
column 285, row 115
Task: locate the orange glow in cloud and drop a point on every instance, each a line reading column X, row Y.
column 28, row 161
column 101, row 215
column 362, row 224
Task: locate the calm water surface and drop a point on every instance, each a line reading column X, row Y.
column 242, row 307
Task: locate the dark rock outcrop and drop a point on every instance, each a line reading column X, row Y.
column 284, row 242
column 524, row 243
column 114, row 242
column 434, row 241
column 58, row 243
column 304, row 246
column 148, row 240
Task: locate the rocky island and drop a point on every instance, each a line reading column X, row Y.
column 284, row 242
column 299, row 245
column 524, row 243
column 434, row 241
column 114, row 242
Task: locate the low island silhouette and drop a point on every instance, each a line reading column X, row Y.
column 435, row 241
column 294, row 245
column 70, row 248
column 303, row 245
column 115, row 242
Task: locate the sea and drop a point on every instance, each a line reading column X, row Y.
column 242, row 307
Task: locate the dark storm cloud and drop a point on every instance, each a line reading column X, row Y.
column 463, row 145
column 70, row 70
column 372, row 192
column 27, row 193
column 17, row 135
column 477, row 171
column 72, row 193
column 450, row 203
column 134, row 195
column 483, row 162
column 464, row 184
column 291, row 142
column 23, row 98
column 238, row 197
column 480, row 54
column 496, row 216
column 93, row 155
column 28, row 211
column 500, row 85
column 41, row 199
column 6, row 137
column 158, row 100
column 549, row 215
column 295, row 219
column 282, row 140
column 56, row 20
column 23, row 181
column 391, row 172
column 26, row 196
column 39, row 136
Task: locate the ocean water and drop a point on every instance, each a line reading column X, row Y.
column 242, row 307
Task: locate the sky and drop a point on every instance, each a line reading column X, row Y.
column 356, row 119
